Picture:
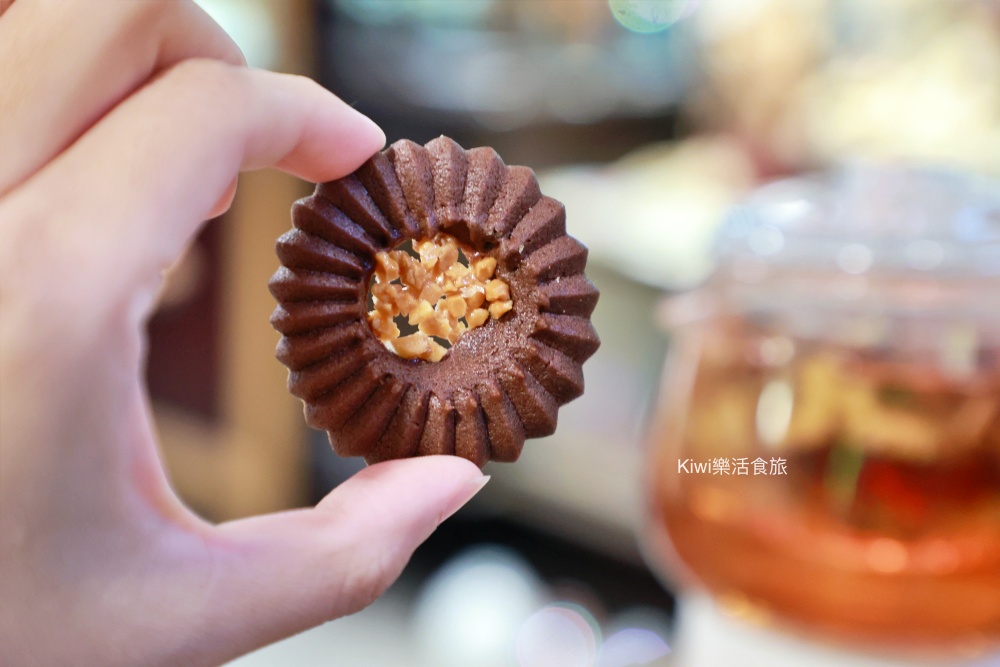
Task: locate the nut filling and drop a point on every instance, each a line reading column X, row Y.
column 436, row 293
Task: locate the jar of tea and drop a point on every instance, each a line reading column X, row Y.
column 825, row 454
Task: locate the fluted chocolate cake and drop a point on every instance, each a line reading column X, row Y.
column 465, row 340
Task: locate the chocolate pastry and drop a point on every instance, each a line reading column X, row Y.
column 517, row 314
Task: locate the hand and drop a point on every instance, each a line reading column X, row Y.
column 124, row 127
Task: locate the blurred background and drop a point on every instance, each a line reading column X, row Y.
column 649, row 119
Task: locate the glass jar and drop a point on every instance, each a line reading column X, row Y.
column 825, row 452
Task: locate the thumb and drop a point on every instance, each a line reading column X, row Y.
column 279, row 574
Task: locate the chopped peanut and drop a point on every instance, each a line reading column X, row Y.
column 436, row 326
column 429, row 260
column 499, row 308
column 411, row 272
column 406, row 301
column 477, row 317
column 497, row 290
column 475, row 296
column 422, row 312
column 431, row 293
column 386, row 267
column 455, row 305
column 412, row 346
column 459, row 273
column 434, row 292
column 456, row 332
column 384, row 327
column 437, row 351
column 448, row 256
column 484, row 268
column 385, row 310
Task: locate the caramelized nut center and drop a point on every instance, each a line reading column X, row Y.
column 435, row 292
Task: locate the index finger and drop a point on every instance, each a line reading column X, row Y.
column 122, row 202
column 63, row 65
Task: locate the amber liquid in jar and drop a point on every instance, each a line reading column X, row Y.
column 835, row 489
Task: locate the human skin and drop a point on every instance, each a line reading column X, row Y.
column 124, row 126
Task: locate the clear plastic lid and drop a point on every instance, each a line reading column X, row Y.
column 867, row 237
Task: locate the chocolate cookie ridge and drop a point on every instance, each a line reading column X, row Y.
column 499, row 383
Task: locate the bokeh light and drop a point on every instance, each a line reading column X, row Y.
column 471, row 610
column 632, row 646
column 635, row 636
column 558, row 635
column 647, row 16
column 449, row 12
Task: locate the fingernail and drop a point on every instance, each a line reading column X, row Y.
column 464, row 495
